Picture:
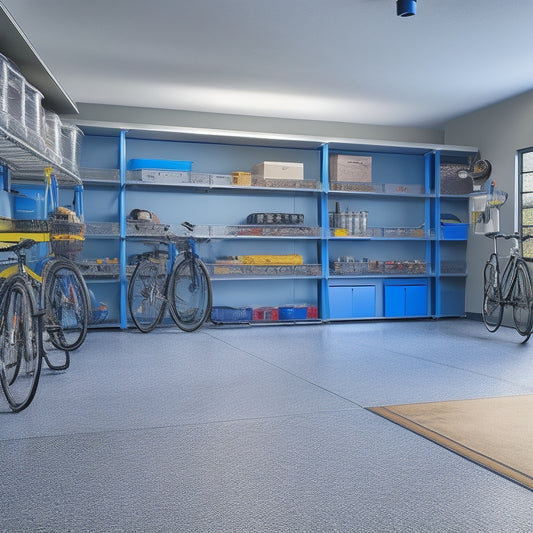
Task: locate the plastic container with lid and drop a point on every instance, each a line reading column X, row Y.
column 12, row 98
column 52, row 135
column 34, row 117
column 71, row 137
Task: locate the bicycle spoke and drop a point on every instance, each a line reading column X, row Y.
column 522, row 300
column 147, row 294
column 67, row 305
column 492, row 310
column 190, row 294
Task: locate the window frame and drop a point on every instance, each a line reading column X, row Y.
column 522, row 172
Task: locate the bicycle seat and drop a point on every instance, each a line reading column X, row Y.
column 22, row 245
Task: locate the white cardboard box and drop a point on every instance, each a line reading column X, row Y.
column 354, row 168
column 163, row 176
column 279, row 170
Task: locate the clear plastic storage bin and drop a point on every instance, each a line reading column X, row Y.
column 71, row 137
column 52, row 136
column 34, row 117
column 12, row 98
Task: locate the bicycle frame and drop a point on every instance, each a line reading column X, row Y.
column 18, row 267
column 507, row 279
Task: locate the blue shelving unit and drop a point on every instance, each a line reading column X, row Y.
column 415, row 202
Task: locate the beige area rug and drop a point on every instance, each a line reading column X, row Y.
column 494, row 432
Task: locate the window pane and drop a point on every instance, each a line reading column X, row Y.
column 527, row 182
column 527, row 249
column 527, row 200
column 527, row 217
column 527, row 162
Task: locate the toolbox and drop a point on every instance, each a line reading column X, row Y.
column 275, row 218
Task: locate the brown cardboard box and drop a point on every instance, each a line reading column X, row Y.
column 279, row 170
column 241, row 178
column 354, row 168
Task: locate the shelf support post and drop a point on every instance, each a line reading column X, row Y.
column 436, row 170
column 122, row 228
column 324, row 223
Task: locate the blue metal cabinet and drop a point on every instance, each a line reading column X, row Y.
column 405, row 300
column 352, row 302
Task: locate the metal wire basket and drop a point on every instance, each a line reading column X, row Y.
column 66, row 236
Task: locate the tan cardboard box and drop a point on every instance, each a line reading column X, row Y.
column 241, row 178
column 354, row 168
column 279, row 170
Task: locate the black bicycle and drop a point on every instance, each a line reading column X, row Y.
column 21, row 333
column 65, row 298
column 511, row 288
column 181, row 281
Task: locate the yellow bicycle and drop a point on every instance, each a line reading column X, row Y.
column 64, row 298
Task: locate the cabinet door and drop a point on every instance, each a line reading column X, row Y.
column 364, row 301
column 340, row 302
column 405, row 300
column 394, row 300
column 352, row 302
column 415, row 300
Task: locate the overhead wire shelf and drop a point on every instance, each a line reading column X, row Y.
column 24, row 161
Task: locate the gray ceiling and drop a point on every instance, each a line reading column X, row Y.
column 336, row 60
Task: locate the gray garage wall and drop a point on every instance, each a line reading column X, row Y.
column 164, row 117
column 499, row 131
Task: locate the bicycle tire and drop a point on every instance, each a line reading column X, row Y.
column 65, row 298
column 147, row 294
column 522, row 299
column 20, row 343
column 190, row 294
column 492, row 310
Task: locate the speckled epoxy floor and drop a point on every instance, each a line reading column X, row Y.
column 256, row 429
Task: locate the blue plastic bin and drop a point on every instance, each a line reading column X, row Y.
column 300, row 312
column 24, row 207
column 159, row 164
column 286, row 313
column 221, row 314
column 454, row 231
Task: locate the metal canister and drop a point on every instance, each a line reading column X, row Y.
column 349, row 222
column 356, row 223
column 363, row 222
column 342, row 220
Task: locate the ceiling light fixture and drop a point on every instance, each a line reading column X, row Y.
column 405, row 8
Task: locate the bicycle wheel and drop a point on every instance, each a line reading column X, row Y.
column 66, row 302
column 146, row 293
column 522, row 300
column 492, row 310
column 189, row 294
column 20, row 343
